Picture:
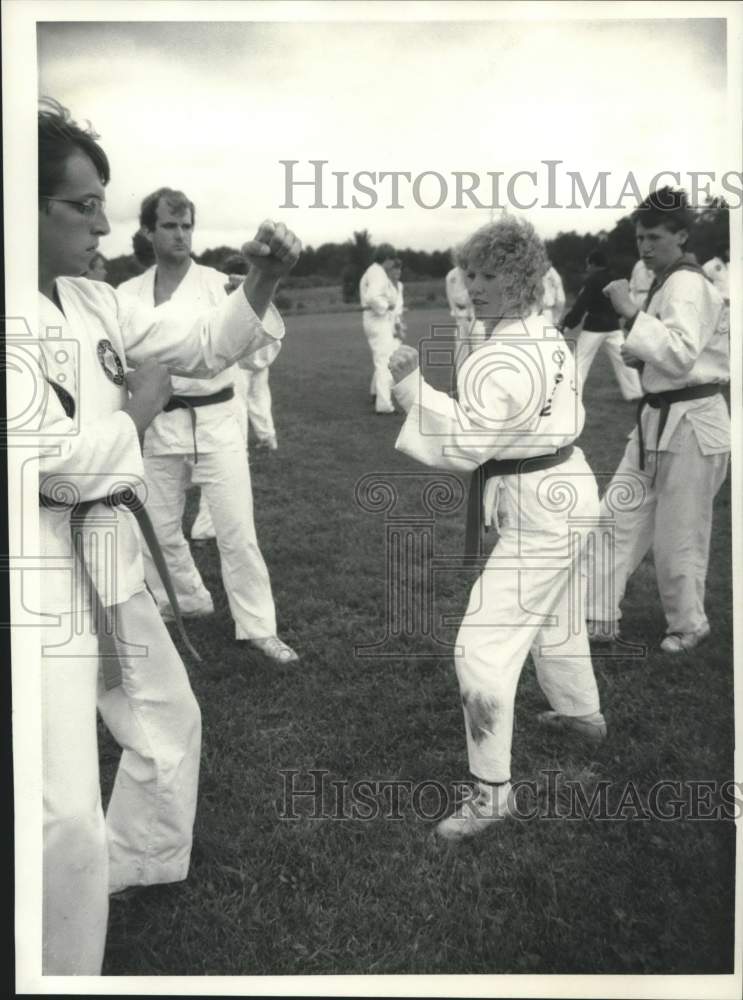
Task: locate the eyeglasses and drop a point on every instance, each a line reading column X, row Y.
column 89, row 208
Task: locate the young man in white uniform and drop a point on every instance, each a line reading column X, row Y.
column 677, row 456
column 94, row 414
column 379, row 302
column 553, row 301
column 517, row 404
column 201, row 442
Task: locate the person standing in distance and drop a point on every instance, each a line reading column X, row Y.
column 200, row 439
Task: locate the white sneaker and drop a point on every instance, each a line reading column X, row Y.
column 684, row 642
column 603, row 633
column 202, row 611
column 268, row 444
column 590, row 727
column 275, row 649
column 477, row 813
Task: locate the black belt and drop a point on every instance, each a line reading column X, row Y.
column 104, row 617
column 663, row 401
column 500, row 467
column 192, row 403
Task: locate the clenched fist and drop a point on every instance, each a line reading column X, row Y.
column 149, row 390
column 403, row 362
column 274, row 251
column 621, row 300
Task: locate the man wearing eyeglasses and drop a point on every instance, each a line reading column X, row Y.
column 109, row 363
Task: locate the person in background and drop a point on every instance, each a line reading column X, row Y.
column 717, row 270
column 600, row 328
column 639, row 283
column 395, row 274
column 379, row 302
column 97, row 270
column 253, row 399
column 677, row 455
column 200, row 439
column 553, row 300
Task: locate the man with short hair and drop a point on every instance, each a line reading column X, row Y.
column 677, row 456
column 199, row 438
column 105, row 645
column 379, row 301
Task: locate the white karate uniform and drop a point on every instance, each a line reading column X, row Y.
column 639, row 283
column 516, row 398
column 669, row 505
column 91, row 454
column 258, row 405
column 553, row 301
column 379, row 300
column 222, row 471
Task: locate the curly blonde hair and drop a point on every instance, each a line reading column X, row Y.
column 511, row 249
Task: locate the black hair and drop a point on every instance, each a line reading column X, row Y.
column 667, row 207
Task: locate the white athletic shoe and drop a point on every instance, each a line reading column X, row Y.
column 590, row 727
column 684, row 642
column 275, row 649
column 603, row 633
column 201, row 611
column 268, row 444
column 475, row 814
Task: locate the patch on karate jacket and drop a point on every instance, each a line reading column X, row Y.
column 110, row 362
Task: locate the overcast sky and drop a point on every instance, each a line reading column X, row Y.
column 212, row 108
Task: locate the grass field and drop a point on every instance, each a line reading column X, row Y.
column 268, row 895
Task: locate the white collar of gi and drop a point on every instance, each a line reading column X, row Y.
column 519, row 326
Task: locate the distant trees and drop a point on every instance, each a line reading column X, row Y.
column 344, row 263
column 568, row 251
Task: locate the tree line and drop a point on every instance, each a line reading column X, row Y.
column 344, row 263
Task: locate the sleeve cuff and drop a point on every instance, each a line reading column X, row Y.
column 238, row 310
column 406, row 391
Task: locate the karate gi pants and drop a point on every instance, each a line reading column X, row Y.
column 586, row 348
column 146, row 836
column 382, row 344
column 668, row 506
column 224, row 478
column 529, row 598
